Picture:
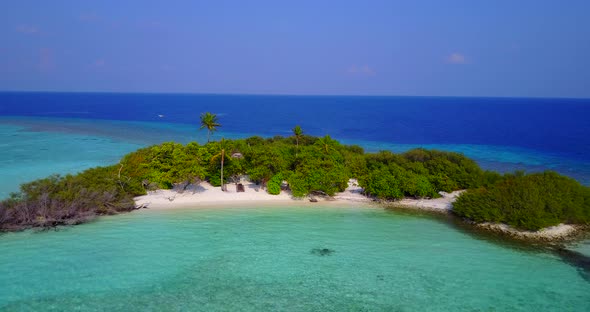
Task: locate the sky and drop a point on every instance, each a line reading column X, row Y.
column 499, row 48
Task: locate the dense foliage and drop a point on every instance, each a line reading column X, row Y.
column 164, row 165
column 528, row 202
column 420, row 173
column 67, row 199
column 310, row 165
column 274, row 184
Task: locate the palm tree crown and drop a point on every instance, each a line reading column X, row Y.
column 326, row 143
column 298, row 133
column 210, row 122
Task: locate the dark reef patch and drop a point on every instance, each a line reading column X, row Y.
column 322, row 252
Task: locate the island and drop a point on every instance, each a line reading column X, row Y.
column 304, row 169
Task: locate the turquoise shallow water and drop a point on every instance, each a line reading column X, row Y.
column 262, row 259
column 28, row 155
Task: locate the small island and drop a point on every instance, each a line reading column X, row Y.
column 303, row 168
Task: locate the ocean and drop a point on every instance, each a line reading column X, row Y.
column 262, row 258
column 266, row 259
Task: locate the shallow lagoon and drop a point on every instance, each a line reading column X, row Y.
column 228, row 259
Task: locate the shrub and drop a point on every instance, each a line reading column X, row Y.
column 70, row 199
column 273, row 186
column 528, row 202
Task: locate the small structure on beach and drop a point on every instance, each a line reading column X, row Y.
column 237, row 155
column 285, row 186
column 240, row 187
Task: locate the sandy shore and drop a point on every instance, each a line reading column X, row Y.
column 206, row 195
column 442, row 204
column 558, row 232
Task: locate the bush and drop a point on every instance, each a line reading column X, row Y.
column 382, row 184
column 273, row 186
column 420, row 173
column 165, row 164
column 215, row 180
column 528, row 202
column 71, row 199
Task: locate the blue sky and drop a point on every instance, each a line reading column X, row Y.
column 426, row 48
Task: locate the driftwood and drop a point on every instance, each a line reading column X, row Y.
column 318, row 193
column 314, row 194
column 142, row 206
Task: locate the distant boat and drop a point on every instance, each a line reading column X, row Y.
column 161, row 116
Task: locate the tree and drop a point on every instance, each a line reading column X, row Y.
column 210, row 122
column 527, row 201
column 221, row 154
column 326, row 143
column 297, row 132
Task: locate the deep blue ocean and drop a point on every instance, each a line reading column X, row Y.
column 502, row 134
column 548, row 125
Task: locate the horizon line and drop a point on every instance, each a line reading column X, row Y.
column 296, row 95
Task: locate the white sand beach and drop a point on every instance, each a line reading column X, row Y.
column 441, row 204
column 206, row 195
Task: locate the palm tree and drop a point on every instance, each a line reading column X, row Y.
column 298, row 133
column 326, row 142
column 210, row 122
column 222, row 155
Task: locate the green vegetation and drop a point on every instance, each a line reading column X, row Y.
column 274, row 184
column 529, row 202
column 210, row 122
column 310, row 165
column 297, row 133
column 221, row 157
column 63, row 200
column 419, row 173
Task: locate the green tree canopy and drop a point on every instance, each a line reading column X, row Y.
column 210, row 122
column 297, row 133
column 528, row 202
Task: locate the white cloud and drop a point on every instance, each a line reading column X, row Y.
column 456, row 58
